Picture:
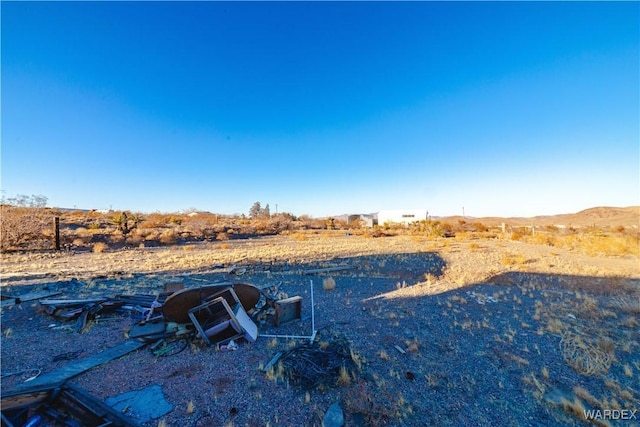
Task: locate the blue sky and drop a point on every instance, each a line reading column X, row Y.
column 506, row 109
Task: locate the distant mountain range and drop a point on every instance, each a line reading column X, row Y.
column 598, row 216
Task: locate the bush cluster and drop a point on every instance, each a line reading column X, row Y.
column 27, row 224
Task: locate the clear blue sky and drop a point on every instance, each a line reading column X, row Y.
column 508, row 109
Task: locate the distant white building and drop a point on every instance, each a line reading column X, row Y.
column 364, row 220
column 402, row 216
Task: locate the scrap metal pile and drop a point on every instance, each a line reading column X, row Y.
column 184, row 312
column 216, row 314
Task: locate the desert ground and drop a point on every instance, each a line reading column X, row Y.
column 468, row 330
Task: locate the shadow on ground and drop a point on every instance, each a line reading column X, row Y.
column 517, row 349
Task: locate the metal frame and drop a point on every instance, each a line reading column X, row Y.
column 215, row 311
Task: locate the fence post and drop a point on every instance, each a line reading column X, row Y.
column 56, row 231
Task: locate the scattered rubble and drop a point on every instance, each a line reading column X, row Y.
column 215, row 314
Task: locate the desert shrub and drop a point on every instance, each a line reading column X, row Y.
column 479, row 227
column 516, row 235
column 376, row 406
column 426, row 228
column 299, row 236
column 168, row 237
column 464, row 236
column 222, row 236
column 155, row 220
column 23, row 222
column 541, row 239
column 601, row 244
column 513, row 259
column 152, row 236
column 99, row 247
column 248, row 229
column 279, row 223
column 175, row 220
column 446, row 230
column 377, row 233
column 328, row 284
column 126, row 222
column 199, row 226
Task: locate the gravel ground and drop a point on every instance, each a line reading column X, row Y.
column 492, row 352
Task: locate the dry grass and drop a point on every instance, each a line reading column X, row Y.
column 513, row 259
column 168, row 237
column 584, row 356
column 99, row 247
column 345, row 377
column 328, row 283
column 465, row 264
column 589, row 243
column 575, row 408
column 545, row 373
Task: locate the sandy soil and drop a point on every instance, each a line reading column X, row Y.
column 490, row 331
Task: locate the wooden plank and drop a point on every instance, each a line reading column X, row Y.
column 70, row 302
column 273, row 361
column 81, row 407
column 36, row 295
column 23, row 400
column 328, row 269
column 10, row 300
column 76, row 368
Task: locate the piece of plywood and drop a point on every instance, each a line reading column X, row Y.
column 287, row 310
column 80, row 366
column 147, row 329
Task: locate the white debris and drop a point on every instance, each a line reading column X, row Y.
column 480, row 298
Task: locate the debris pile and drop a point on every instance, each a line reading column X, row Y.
column 319, row 364
column 216, row 314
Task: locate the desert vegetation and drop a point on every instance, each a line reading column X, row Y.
column 439, row 314
column 27, row 224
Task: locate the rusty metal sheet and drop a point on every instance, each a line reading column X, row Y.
column 176, row 307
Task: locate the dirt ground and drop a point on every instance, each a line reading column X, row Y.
column 444, row 332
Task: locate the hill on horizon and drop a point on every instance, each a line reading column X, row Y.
column 599, row 216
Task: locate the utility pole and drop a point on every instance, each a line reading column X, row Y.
column 463, row 212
